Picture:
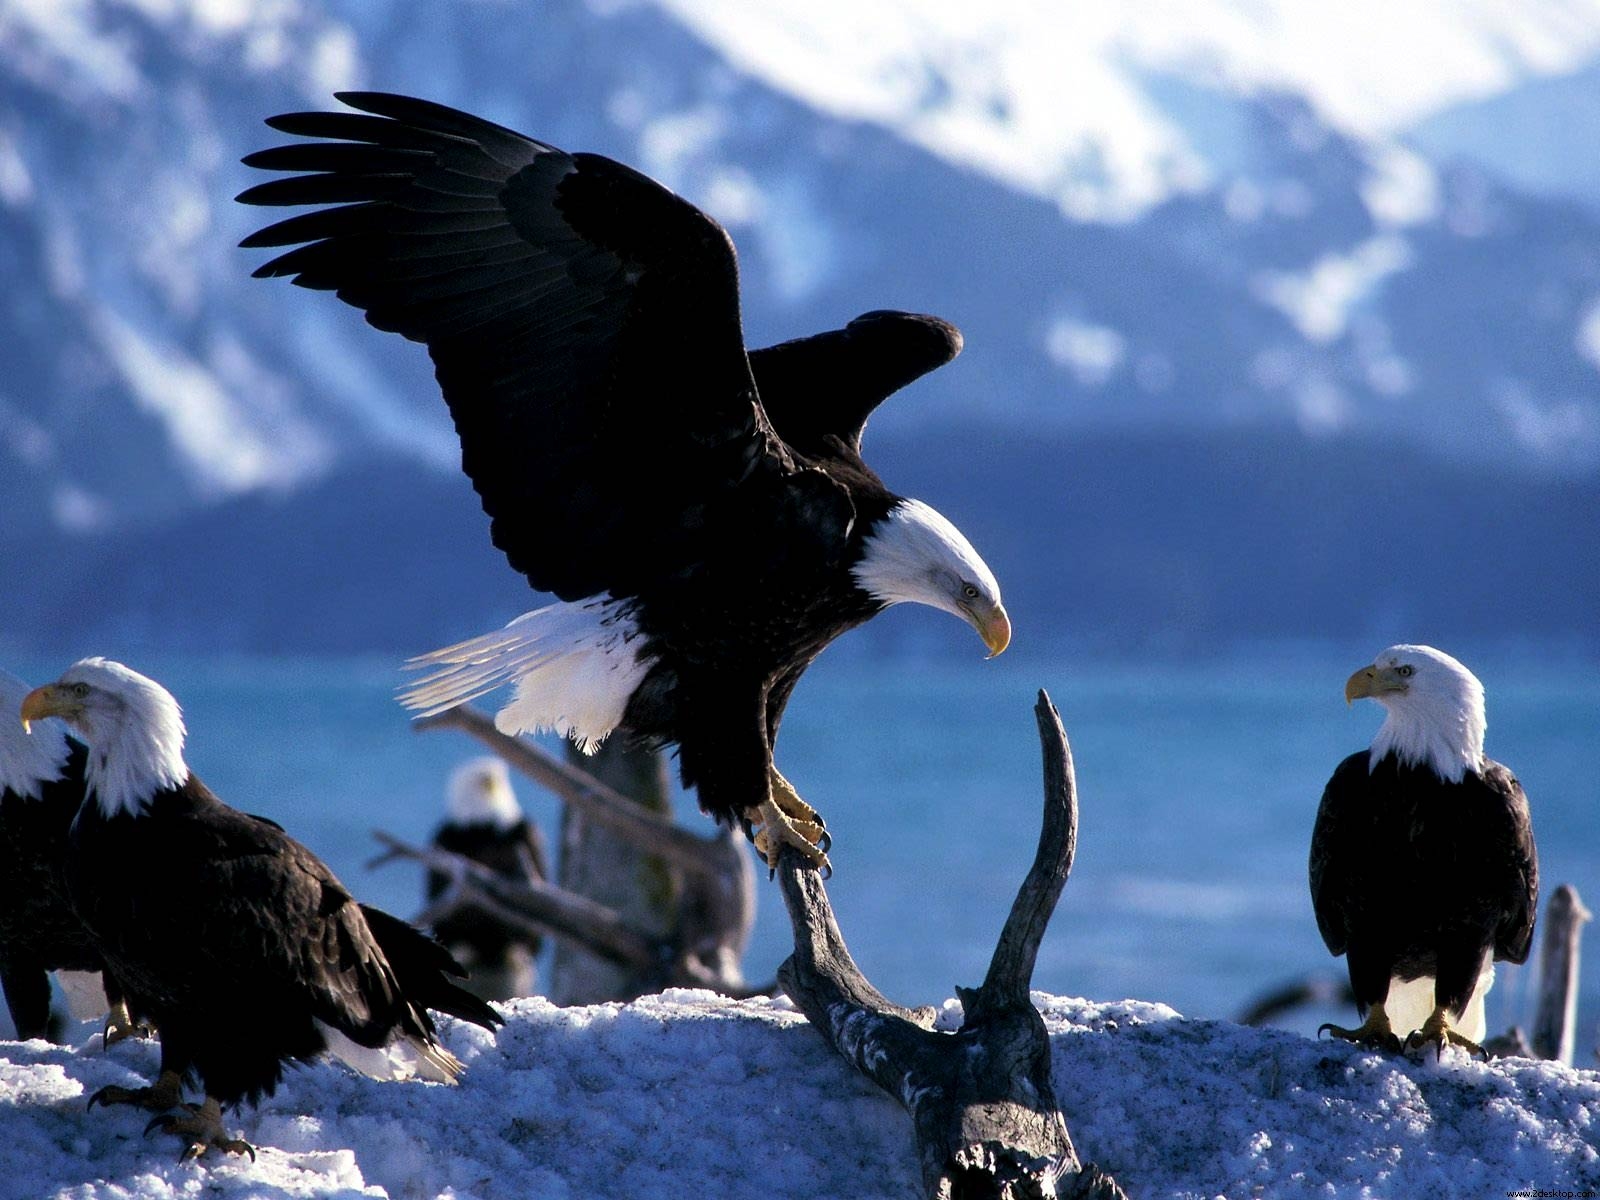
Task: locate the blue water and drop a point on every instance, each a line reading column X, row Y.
column 1198, row 784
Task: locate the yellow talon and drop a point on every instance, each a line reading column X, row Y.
column 1375, row 1033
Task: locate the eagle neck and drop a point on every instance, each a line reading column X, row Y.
column 128, row 768
column 1444, row 734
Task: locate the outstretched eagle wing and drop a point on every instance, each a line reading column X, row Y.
column 827, row 385
column 583, row 323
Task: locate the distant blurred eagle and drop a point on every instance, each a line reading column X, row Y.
column 485, row 823
column 1423, row 867
column 703, row 513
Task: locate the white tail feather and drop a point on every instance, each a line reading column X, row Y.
column 575, row 665
column 403, row 1058
column 1411, row 1001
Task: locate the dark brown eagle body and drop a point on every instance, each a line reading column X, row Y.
column 239, row 942
column 39, row 931
column 1413, row 875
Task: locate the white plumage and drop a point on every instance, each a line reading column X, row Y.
column 135, row 732
column 27, row 760
column 480, row 793
column 1439, row 720
column 574, row 665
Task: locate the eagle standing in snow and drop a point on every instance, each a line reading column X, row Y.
column 41, row 788
column 240, row 944
column 485, row 823
column 702, row 512
column 1423, row 868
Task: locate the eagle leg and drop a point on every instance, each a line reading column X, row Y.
column 1436, row 1031
column 772, row 828
column 1375, row 1032
column 201, row 1125
column 166, row 1092
column 786, row 798
column 120, row 1025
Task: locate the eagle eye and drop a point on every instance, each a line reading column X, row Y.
column 80, row 690
column 969, row 591
column 1405, row 671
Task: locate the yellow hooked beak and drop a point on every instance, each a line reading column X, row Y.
column 47, row 701
column 994, row 627
column 1372, row 682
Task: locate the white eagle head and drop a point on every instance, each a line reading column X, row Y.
column 132, row 725
column 27, row 762
column 1435, row 710
column 915, row 555
column 480, row 794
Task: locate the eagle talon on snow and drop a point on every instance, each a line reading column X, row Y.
column 201, row 1125
column 166, row 1092
column 1437, row 1032
column 1373, row 1034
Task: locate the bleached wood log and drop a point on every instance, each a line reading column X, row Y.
column 1555, row 1019
column 985, row 1116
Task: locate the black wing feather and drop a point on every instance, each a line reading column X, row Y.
column 828, row 385
column 583, row 323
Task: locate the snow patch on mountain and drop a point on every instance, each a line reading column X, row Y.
column 1067, row 101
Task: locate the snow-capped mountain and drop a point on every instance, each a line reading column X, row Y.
column 1197, row 215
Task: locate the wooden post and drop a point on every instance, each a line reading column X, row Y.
column 986, row 1120
column 607, row 867
column 1555, row 1020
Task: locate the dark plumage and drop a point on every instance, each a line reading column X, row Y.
column 242, row 946
column 704, row 514
column 1423, row 866
column 39, row 932
column 41, row 787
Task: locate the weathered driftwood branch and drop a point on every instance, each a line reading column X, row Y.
column 532, row 905
column 536, row 907
column 1556, row 1018
column 684, row 849
column 986, row 1118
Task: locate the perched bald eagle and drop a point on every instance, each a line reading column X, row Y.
column 485, row 823
column 1423, row 868
column 41, row 787
column 703, row 513
column 242, row 945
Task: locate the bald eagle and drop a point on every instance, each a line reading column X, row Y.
column 485, row 823
column 241, row 944
column 1423, row 868
column 702, row 512
column 41, row 786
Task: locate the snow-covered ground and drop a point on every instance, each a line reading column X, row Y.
column 689, row 1094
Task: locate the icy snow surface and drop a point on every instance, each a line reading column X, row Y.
column 689, row 1094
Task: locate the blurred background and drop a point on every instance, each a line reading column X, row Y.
column 1283, row 345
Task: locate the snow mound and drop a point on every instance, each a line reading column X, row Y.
column 688, row 1093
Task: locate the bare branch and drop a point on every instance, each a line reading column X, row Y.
column 678, row 846
column 986, row 1118
column 1011, row 969
column 536, row 906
